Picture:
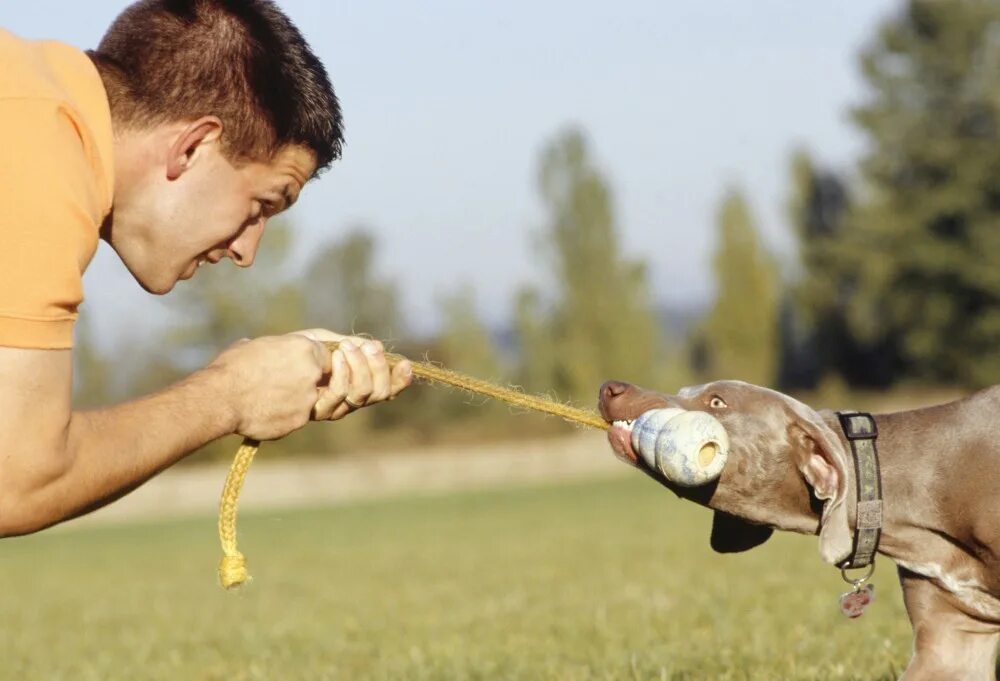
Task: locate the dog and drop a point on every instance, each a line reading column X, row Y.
column 791, row 468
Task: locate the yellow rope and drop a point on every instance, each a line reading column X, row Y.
column 233, row 569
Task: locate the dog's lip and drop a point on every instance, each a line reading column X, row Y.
column 612, row 411
column 620, row 439
column 619, row 414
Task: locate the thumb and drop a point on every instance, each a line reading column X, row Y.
column 321, row 335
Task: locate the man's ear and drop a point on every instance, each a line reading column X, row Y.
column 189, row 142
column 733, row 535
column 822, row 461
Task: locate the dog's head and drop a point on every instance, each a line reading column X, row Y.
column 787, row 468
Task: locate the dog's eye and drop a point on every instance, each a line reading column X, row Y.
column 717, row 403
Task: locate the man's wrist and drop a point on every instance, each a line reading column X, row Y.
column 216, row 386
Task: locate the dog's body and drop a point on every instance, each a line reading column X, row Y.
column 791, row 468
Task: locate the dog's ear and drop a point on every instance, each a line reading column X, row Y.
column 733, row 535
column 822, row 460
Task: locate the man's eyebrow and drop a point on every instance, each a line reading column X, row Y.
column 286, row 194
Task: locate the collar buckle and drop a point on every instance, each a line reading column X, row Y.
column 858, row 425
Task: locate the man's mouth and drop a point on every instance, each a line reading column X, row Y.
column 620, row 437
column 193, row 267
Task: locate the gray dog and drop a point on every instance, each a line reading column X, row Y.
column 791, row 468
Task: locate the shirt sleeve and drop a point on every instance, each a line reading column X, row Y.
column 50, row 216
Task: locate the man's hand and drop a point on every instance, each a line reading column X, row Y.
column 276, row 384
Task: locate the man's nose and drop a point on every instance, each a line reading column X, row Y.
column 243, row 249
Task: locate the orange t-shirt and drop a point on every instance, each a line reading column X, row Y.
column 56, row 186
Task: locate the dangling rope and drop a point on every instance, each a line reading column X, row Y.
column 233, row 568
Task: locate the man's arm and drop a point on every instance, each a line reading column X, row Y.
column 56, row 464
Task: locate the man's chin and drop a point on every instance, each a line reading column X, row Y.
column 157, row 287
column 152, row 279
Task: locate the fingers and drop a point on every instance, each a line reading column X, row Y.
column 401, row 376
column 324, row 358
column 362, row 381
column 331, row 397
column 361, row 376
column 381, row 377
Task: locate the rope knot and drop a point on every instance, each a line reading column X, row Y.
column 233, row 571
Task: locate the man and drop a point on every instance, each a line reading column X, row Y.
column 192, row 123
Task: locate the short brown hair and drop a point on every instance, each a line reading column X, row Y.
column 241, row 60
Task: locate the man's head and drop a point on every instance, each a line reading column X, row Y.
column 221, row 114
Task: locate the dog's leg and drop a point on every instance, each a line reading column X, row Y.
column 947, row 643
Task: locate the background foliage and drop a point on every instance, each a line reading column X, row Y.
column 895, row 279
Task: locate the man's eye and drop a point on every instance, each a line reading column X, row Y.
column 717, row 403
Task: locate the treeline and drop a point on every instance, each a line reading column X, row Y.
column 896, row 276
column 898, row 270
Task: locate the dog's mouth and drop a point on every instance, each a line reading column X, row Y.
column 620, row 437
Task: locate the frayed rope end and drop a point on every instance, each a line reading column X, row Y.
column 233, row 571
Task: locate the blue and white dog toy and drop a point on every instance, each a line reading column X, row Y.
column 689, row 448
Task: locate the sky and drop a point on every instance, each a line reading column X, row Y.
column 448, row 105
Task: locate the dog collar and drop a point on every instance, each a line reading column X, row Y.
column 861, row 431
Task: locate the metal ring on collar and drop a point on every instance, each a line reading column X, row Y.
column 861, row 580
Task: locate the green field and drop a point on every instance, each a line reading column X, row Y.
column 607, row 580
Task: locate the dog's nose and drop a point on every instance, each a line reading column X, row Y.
column 610, row 392
column 612, row 389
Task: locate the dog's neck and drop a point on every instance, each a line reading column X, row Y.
column 905, row 520
column 911, row 483
column 918, row 474
column 851, row 453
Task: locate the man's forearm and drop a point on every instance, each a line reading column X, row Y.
column 108, row 452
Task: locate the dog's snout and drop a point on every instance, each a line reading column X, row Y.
column 612, row 389
column 611, row 392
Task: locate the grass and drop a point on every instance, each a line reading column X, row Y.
column 608, row 580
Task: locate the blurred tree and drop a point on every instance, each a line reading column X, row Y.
column 221, row 304
column 93, row 380
column 816, row 337
column 739, row 337
column 928, row 228
column 343, row 293
column 536, row 373
column 150, row 373
column 464, row 344
column 464, row 340
column 602, row 325
column 818, row 208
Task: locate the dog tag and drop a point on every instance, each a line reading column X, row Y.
column 853, row 603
